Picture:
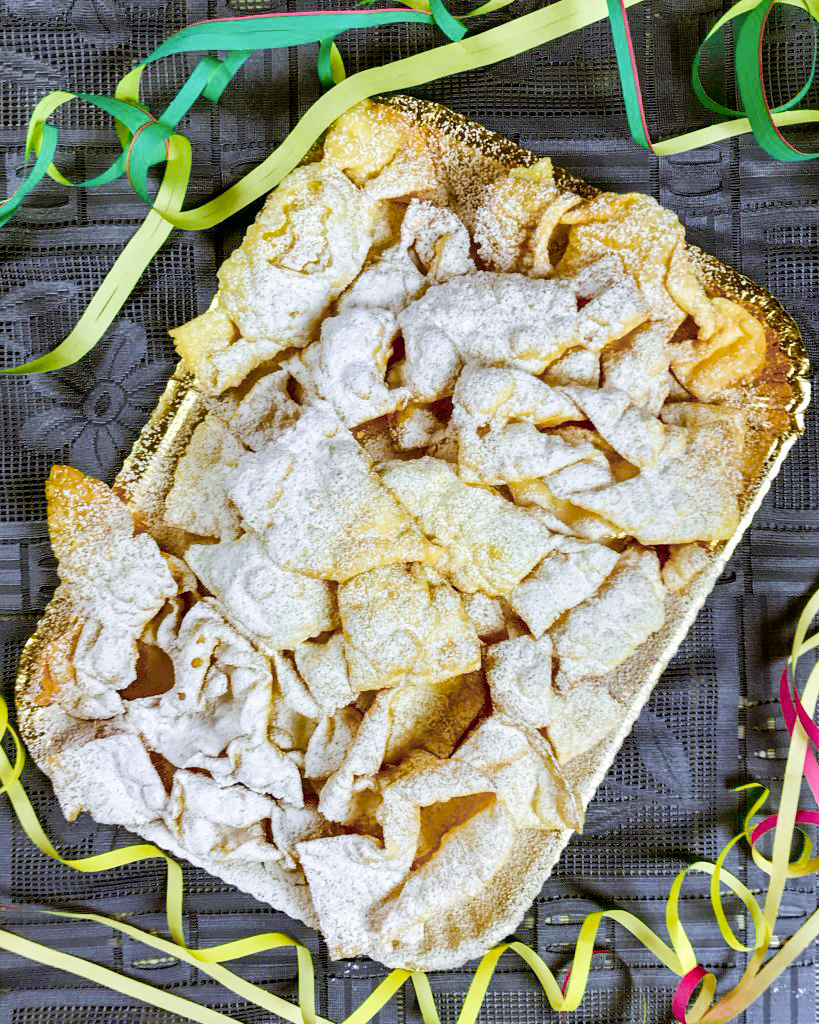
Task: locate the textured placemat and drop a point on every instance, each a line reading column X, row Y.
column 712, row 721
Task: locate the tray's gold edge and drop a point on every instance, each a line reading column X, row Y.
column 154, row 439
column 179, row 398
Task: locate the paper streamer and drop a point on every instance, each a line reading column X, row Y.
column 147, row 140
column 676, row 952
column 756, row 116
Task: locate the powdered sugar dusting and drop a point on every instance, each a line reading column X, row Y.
column 461, row 453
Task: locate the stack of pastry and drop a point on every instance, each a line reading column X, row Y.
column 454, row 460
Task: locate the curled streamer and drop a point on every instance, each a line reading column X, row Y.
column 678, row 954
column 147, row 140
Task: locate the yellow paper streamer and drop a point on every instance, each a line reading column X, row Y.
column 481, row 50
column 485, row 48
column 128, row 268
column 677, row 955
column 489, row 47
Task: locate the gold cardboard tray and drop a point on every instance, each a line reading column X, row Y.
column 472, row 155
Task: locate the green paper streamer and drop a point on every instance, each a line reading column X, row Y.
column 147, row 141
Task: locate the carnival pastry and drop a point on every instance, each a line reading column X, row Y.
column 212, row 452
column 354, row 522
column 462, row 450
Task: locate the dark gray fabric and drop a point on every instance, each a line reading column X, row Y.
column 712, row 721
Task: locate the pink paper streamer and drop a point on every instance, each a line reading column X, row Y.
column 685, row 990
